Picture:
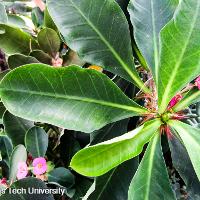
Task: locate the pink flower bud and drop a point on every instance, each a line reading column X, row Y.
column 197, row 82
column 22, row 170
column 174, row 101
column 39, row 166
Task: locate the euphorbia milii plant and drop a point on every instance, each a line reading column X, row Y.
column 167, row 35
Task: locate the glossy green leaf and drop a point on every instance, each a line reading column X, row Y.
column 28, row 184
column 190, row 98
column 61, row 176
column 48, row 22
column 49, row 41
column 190, row 137
column 109, row 132
column 180, row 52
column 5, row 148
column 151, row 181
column 148, row 18
column 81, row 187
column 114, row 184
column 98, row 159
column 41, row 56
column 69, row 145
column 3, row 15
column 14, row 40
column 16, row 127
column 99, row 32
column 17, row 60
column 37, row 17
column 73, row 98
column 182, row 163
column 19, row 154
column 36, row 142
column 17, row 21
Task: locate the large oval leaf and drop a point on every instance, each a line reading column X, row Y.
column 148, row 18
column 180, row 52
column 190, row 137
column 73, row 98
column 36, row 141
column 6, row 148
column 16, row 127
column 114, row 184
column 99, row 159
column 28, row 185
column 17, row 60
column 99, row 32
column 49, row 41
column 151, row 181
column 14, row 40
column 19, row 154
column 182, row 163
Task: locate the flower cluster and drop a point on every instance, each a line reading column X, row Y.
column 39, row 167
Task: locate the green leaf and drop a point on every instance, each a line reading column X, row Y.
column 36, row 142
column 192, row 97
column 109, row 132
column 14, row 40
column 81, row 187
column 180, row 52
column 148, row 18
column 17, row 60
column 49, row 41
column 108, row 185
column 69, row 145
column 61, row 176
column 3, row 15
column 114, row 184
column 151, row 181
column 98, row 159
column 48, row 22
column 72, row 98
column 19, row 154
column 5, row 148
column 16, row 127
column 41, row 56
column 17, row 21
column 37, row 17
column 99, row 32
column 182, row 163
column 2, row 111
column 190, row 137
column 28, row 184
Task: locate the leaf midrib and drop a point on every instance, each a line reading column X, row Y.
column 149, row 171
column 134, row 77
column 179, row 61
column 76, row 98
column 154, row 42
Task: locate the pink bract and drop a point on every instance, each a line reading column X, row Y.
column 39, row 166
column 175, row 100
column 197, row 82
